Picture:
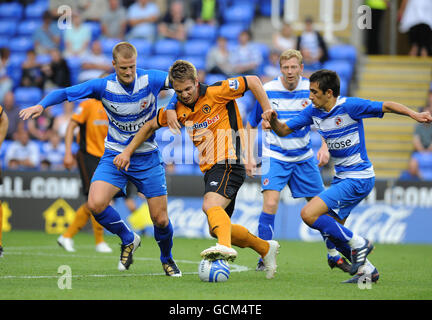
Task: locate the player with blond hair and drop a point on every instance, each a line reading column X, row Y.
column 129, row 97
column 212, row 120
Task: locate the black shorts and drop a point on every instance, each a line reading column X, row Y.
column 226, row 180
column 87, row 165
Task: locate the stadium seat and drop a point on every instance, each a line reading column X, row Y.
column 144, row 47
column 8, row 27
column 196, row 48
column 264, row 7
column 3, row 148
column 168, row 47
column 108, row 44
column 343, row 52
column 12, row 10
column 424, row 160
column 213, row 78
column 96, row 29
column 74, row 64
column 162, row 62
column 342, row 67
column 27, row 96
column 28, row 27
column 198, row 61
column 231, row 31
column 35, row 10
column 202, row 32
column 21, row 44
column 242, row 14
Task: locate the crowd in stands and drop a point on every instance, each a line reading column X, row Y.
column 44, row 45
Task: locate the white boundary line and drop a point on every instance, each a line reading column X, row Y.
column 234, row 267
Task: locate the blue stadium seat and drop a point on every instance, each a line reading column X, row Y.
column 21, row 44
column 264, row 7
column 168, row 47
column 196, row 48
column 202, row 32
column 12, row 10
column 3, row 148
column 231, row 31
column 43, row 58
column 344, row 86
column 342, row 67
column 213, row 78
column 144, row 47
column 8, row 27
column 198, row 61
column 96, row 29
column 28, row 27
column 108, row 44
column 160, row 62
column 343, row 52
column 35, row 10
column 242, row 14
column 27, row 96
column 74, row 64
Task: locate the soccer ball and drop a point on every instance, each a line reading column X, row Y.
column 213, row 271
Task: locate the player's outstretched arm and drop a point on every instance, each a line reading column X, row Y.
column 279, row 127
column 255, row 85
column 122, row 160
column 394, row 107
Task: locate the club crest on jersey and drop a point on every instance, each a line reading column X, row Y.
column 206, row 109
column 233, row 84
column 266, row 181
column 338, row 121
column 305, row 103
column 144, row 104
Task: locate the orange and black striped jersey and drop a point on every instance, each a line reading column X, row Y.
column 93, row 121
column 214, row 123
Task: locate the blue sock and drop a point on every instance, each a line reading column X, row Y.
column 164, row 238
column 266, row 226
column 110, row 220
column 334, row 229
column 343, row 248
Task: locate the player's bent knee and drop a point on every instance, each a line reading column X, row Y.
column 161, row 220
column 95, row 207
column 307, row 215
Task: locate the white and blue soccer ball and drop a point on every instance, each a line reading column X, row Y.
column 214, row 271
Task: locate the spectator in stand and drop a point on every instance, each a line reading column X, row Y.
column 12, row 112
column 312, row 46
column 94, row 63
column 412, row 173
column 142, row 18
column 244, row 58
column 272, row 69
column 284, row 39
column 374, row 35
column 77, row 38
column 422, row 139
column 57, row 72
column 61, row 121
column 93, row 10
column 218, row 58
column 6, row 83
column 415, row 17
column 173, row 24
column 47, row 36
column 22, row 153
column 114, row 22
column 32, row 75
column 205, row 11
column 40, row 128
column 53, row 152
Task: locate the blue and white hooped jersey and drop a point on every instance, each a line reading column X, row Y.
column 288, row 104
column 342, row 129
column 128, row 107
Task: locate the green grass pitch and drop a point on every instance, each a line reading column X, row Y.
column 29, row 270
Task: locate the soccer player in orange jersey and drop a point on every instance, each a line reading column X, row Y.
column 212, row 120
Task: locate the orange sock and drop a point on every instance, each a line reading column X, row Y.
column 81, row 218
column 1, row 223
column 98, row 230
column 241, row 237
column 220, row 225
